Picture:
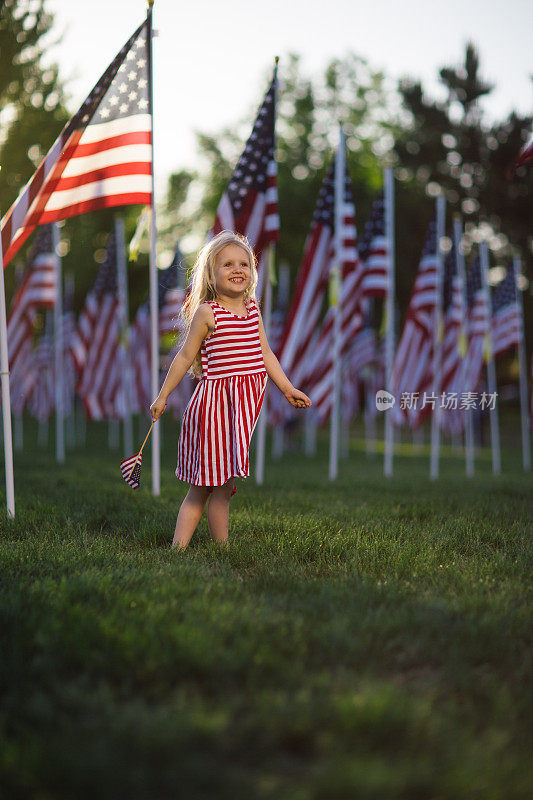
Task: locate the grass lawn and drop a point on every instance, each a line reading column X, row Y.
column 366, row 639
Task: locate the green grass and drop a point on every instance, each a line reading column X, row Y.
column 363, row 639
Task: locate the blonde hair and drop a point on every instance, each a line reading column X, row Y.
column 202, row 284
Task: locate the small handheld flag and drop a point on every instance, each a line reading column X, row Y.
column 131, row 467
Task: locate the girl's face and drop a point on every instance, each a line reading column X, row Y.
column 232, row 271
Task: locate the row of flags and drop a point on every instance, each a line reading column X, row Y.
column 95, row 370
column 104, row 158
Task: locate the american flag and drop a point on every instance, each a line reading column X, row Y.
column 373, row 252
column 38, row 289
column 249, row 205
column 478, row 327
column 133, row 479
column 99, row 328
column 454, row 342
column 506, row 315
column 171, row 294
column 102, row 157
column 413, row 368
column 454, row 313
column 305, row 350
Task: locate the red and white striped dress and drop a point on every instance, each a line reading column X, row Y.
column 219, row 420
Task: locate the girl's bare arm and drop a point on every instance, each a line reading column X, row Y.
column 274, row 371
column 202, row 324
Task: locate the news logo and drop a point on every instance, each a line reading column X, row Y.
column 384, row 400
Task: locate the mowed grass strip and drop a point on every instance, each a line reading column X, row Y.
column 366, row 639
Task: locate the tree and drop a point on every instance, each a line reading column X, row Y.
column 449, row 145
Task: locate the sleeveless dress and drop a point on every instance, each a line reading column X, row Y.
column 219, row 420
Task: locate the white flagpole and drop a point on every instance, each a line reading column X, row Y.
column 491, row 368
column 124, row 333
column 154, row 310
column 461, row 274
column 388, row 179
column 6, row 397
column 267, row 313
column 522, row 370
column 58, row 348
column 437, row 341
column 336, row 289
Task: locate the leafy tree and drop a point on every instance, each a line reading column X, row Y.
column 448, row 144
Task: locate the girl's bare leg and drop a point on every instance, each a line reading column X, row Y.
column 189, row 515
column 218, row 511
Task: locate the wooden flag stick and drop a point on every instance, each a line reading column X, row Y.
column 140, row 451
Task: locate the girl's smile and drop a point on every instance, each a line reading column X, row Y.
column 232, row 270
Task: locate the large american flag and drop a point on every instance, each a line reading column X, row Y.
column 99, row 327
column 38, row 289
column 102, row 157
column 506, row 315
column 413, row 368
column 303, row 345
column 373, row 252
column 478, row 327
column 318, row 359
column 249, row 205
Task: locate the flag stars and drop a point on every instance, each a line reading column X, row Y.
column 104, row 113
column 142, row 83
column 132, row 95
column 141, row 62
column 123, row 108
column 132, row 75
column 123, row 88
column 143, row 104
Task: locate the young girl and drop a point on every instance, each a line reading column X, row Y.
column 227, row 349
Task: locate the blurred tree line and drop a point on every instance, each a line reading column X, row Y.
column 434, row 145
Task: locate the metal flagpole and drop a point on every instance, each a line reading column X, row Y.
column 58, row 348
column 389, row 311
column 491, row 369
column 335, row 278
column 154, row 310
column 461, row 274
column 6, row 398
column 522, row 371
column 437, row 341
column 124, row 331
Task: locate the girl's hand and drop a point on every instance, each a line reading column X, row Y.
column 157, row 408
column 297, row 398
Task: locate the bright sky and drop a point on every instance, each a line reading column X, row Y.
column 212, row 58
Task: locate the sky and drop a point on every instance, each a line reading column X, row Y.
column 212, row 59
